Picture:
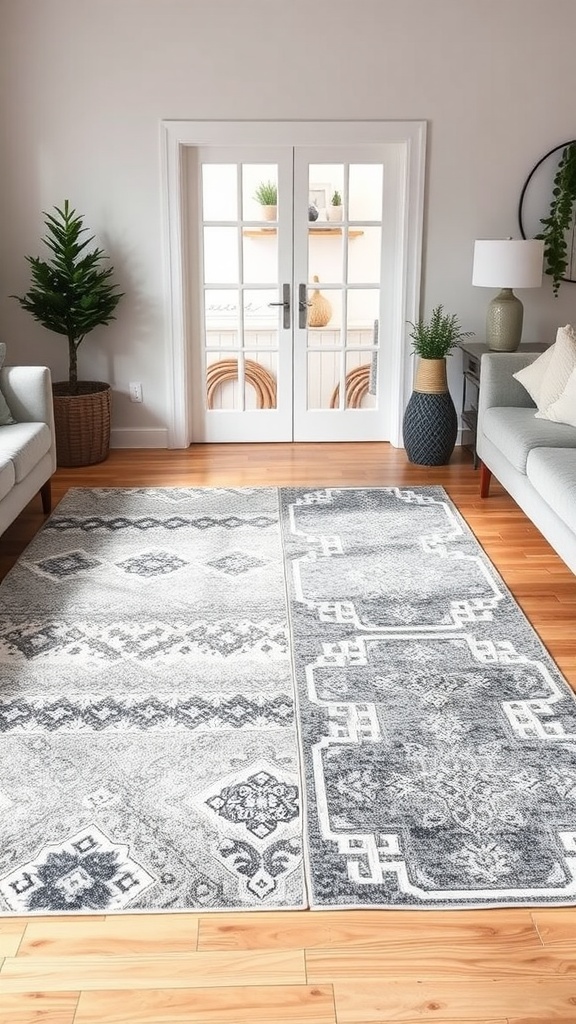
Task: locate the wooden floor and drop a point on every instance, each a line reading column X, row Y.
column 353, row 967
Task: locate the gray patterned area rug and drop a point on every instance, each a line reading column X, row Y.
column 438, row 738
column 148, row 754
column 149, row 760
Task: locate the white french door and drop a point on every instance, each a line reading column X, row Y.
column 244, row 336
column 290, row 321
column 339, row 367
column 292, row 307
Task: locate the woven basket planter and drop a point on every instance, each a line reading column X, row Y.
column 82, row 421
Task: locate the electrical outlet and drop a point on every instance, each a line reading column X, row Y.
column 135, row 391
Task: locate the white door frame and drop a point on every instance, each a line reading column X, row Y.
column 409, row 138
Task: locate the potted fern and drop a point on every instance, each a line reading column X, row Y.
column 430, row 420
column 267, row 195
column 334, row 210
column 71, row 294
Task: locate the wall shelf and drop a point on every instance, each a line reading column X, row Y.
column 259, row 232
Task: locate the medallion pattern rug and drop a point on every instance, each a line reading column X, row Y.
column 156, row 647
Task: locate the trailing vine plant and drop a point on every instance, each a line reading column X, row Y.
column 561, row 218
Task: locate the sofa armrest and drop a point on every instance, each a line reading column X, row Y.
column 28, row 391
column 497, row 385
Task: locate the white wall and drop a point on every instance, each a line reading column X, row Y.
column 84, row 85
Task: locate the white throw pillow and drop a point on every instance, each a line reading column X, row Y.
column 561, row 365
column 532, row 376
column 564, row 409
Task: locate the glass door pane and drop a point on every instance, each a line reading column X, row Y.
column 339, row 254
column 246, row 214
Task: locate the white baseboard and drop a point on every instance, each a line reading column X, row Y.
column 150, row 437
column 157, row 437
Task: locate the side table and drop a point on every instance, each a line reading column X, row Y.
column 472, row 352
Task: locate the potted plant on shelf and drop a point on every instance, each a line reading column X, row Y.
column 334, row 210
column 267, row 195
column 430, row 422
column 71, row 294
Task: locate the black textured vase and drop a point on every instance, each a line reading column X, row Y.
column 430, row 421
column 430, row 428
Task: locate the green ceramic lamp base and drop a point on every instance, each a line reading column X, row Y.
column 504, row 322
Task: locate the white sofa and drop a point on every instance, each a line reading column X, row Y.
column 28, row 446
column 534, row 459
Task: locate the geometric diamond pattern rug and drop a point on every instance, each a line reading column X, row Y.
column 147, row 738
column 150, row 643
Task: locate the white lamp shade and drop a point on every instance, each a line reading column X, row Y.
column 508, row 263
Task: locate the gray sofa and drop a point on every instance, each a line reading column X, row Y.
column 534, row 459
column 28, row 446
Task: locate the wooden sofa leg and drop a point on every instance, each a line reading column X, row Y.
column 46, row 495
column 485, row 477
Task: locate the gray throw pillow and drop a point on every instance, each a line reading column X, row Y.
column 5, row 414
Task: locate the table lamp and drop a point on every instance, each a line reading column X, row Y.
column 507, row 264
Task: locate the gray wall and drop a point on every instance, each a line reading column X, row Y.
column 84, row 85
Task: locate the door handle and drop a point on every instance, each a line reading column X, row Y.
column 303, row 305
column 286, row 304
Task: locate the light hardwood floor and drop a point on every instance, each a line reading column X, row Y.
column 512, row 966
